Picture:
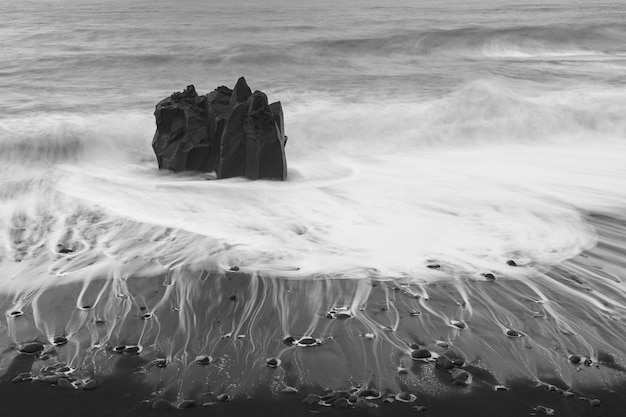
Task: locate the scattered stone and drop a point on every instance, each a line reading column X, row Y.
column 414, row 346
column 511, row 262
column 402, row 371
column 433, row 266
column 389, row 399
column 65, row 384
column 594, row 402
column 545, row 410
column 443, row 344
column 421, row 354
column 132, row 350
column 272, row 362
column 311, row 399
column 458, row 362
column 16, row 313
column 187, row 404
column 160, row 362
column 574, row 359
column 90, row 385
column 341, row 403
column 65, row 370
column 308, row 341
column 587, row 362
column 353, row 399
column 443, row 362
column 162, row 405
column 369, row 336
column 59, row 341
column 146, row 316
column 86, row 307
column 361, row 403
column 33, row 348
column 489, row 277
column 420, row 408
column 119, row 348
column 415, row 313
column 99, row 322
column 370, row 394
column 405, row 397
column 513, row 333
column 461, row 377
column 51, row 379
column 568, row 394
column 458, row 324
column 289, row 390
column 223, row 398
column 233, row 297
column 290, row 340
column 538, row 314
column 204, row 360
column 500, row 388
column 234, row 268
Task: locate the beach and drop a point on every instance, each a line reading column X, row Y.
column 449, row 239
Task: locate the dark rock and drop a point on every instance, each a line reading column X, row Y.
column 265, row 146
column 421, row 354
column 308, row 342
column 421, row 408
column 594, row 402
column 132, row 350
column 33, row 348
column 65, row 384
column 119, row 348
column 90, row 385
column 204, row 360
column 511, row 263
column 311, row 399
column 443, row 362
column 290, row 340
column 489, row 277
column 587, row 362
column 353, row 399
column 371, row 393
column 433, row 266
column 160, row 362
column 404, row 396
column 230, row 132
column 513, row 333
column 458, row 362
column 223, row 398
column 16, row 313
column 574, row 359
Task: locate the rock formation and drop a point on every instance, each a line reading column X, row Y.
column 230, row 132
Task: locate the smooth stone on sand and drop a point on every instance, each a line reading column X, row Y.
column 223, row 398
column 90, row 385
column 587, row 362
column 594, row 402
column 146, row 316
column 405, row 397
column 458, row 362
column 513, row 333
column 443, row 362
column 187, row 404
column 234, row 268
column 204, row 360
column 65, row 384
column 119, row 348
column 433, row 266
column 308, row 341
column 162, row 405
column 15, row 313
column 341, row 403
column 33, row 348
column 59, row 341
column 458, row 324
column 511, row 262
column 421, row 354
column 132, row 350
column 370, row 394
column 489, row 276
column 575, row 359
column 290, row 340
column 272, row 362
column 312, row 399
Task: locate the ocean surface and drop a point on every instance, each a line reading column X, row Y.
column 450, row 133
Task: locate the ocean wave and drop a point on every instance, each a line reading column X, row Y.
column 510, row 42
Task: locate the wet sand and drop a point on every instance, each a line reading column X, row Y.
column 515, row 339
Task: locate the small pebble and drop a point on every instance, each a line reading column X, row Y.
column 289, row 340
column 289, row 390
column 458, row 324
column 458, row 362
column 233, row 297
column 421, row 354
column 311, row 399
column 433, row 266
column 223, row 398
column 402, row 371
column 33, row 348
column 65, row 384
column 574, row 359
column 204, row 360
column 511, row 263
column 513, row 333
column 489, row 277
column 500, row 388
column 420, row 408
column 405, row 397
column 59, row 341
column 443, row 344
column 341, row 403
column 415, row 313
column 594, row 402
column 146, row 316
column 587, row 362
column 16, row 313
column 119, row 348
column 234, row 268
column 99, row 322
column 308, row 341
column 132, row 350
column 370, row 394
column 443, row 362
column 272, row 362
column 353, row 399
column 187, row 404
column 160, row 362
column 568, row 394
column 162, row 405
column 90, row 385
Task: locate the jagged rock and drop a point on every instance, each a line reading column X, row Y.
column 230, row 132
